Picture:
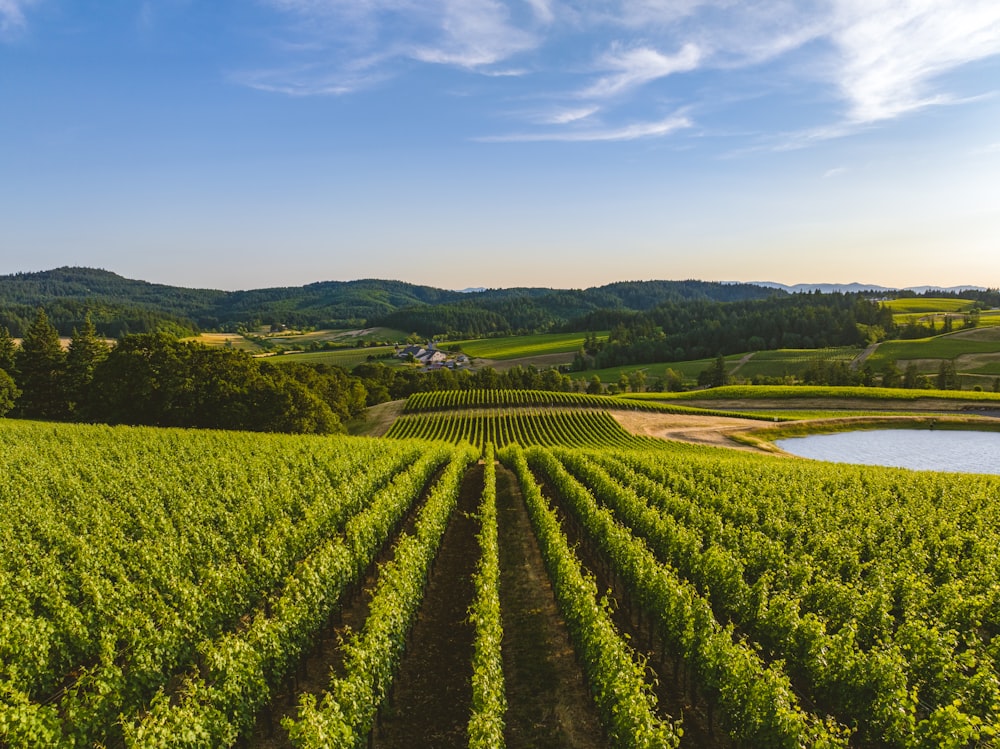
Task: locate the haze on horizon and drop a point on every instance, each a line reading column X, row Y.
column 465, row 143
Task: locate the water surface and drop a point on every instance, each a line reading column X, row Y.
column 917, row 449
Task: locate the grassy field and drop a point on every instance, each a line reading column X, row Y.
column 965, row 342
column 227, row 340
column 517, row 347
column 911, row 306
column 351, row 337
column 894, row 396
column 689, row 369
column 347, row 358
column 791, row 361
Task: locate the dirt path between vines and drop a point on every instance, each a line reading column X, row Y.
column 432, row 693
column 549, row 706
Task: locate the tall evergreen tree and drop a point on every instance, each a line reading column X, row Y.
column 86, row 351
column 41, row 371
column 7, row 351
column 8, row 393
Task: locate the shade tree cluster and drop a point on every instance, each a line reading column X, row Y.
column 158, row 380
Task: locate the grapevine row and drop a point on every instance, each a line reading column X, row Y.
column 451, row 400
column 880, row 646
column 855, row 686
column 133, row 567
column 616, row 675
column 489, row 703
column 756, row 700
column 219, row 702
column 344, row 716
column 523, row 427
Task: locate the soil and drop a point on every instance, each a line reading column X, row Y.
column 675, row 694
column 432, row 693
column 542, row 361
column 378, row 419
column 699, row 430
column 548, row 703
column 326, row 657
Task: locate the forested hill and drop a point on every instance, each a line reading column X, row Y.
column 120, row 305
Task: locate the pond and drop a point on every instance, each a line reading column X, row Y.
column 917, row 449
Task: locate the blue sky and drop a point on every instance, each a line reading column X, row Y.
column 499, row 143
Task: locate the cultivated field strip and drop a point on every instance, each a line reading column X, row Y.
column 489, row 702
column 452, row 400
column 617, row 676
column 875, row 589
column 218, row 702
column 160, row 586
column 117, row 567
column 344, row 716
column 756, row 701
column 570, row 428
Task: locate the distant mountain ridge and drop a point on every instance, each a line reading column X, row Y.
column 861, row 288
column 120, row 305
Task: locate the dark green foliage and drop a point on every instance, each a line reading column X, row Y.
column 86, row 351
column 696, row 330
column 947, row 378
column 715, row 376
column 8, row 393
column 7, row 351
column 41, row 371
column 156, row 380
column 120, row 306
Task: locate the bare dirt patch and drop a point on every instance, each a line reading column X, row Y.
column 698, row 430
column 990, row 333
column 432, row 692
column 549, row 706
column 542, row 361
column 378, row 419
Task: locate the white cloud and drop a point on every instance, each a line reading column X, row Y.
column 566, row 116
column 635, row 67
column 835, row 172
column 890, row 53
column 474, row 33
column 845, row 64
column 12, row 14
column 543, row 10
column 632, row 131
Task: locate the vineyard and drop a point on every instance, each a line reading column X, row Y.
column 450, row 400
column 519, row 426
column 164, row 587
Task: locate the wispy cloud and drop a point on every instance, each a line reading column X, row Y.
column 843, row 64
column 891, row 53
column 635, row 67
column 12, row 14
column 835, row 172
column 474, row 33
column 632, row 131
column 566, row 116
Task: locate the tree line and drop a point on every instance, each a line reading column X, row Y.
column 702, row 329
column 156, row 379
column 159, row 380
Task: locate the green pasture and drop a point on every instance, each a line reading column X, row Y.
column 792, row 392
column 517, row 347
column 226, row 340
column 951, row 346
column 689, row 369
column 784, row 362
column 346, row 358
column 922, row 305
column 346, row 336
